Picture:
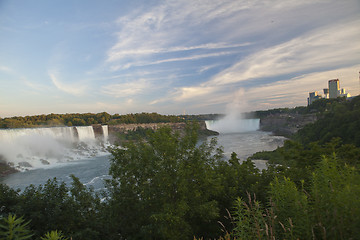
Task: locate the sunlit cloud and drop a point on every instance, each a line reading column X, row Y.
column 185, row 93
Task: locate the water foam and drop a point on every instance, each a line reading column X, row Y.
column 30, row 148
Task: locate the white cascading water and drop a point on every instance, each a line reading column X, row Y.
column 30, row 148
column 233, row 125
column 105, row 129
column 86, row 133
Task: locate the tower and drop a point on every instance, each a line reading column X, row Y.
column 334, row 87
column 326, row 93
column 313, row 96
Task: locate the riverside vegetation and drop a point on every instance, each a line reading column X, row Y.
column 170, row 187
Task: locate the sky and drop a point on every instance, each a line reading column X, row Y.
column 173, row 57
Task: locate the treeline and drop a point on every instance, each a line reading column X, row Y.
column 144, row 118
column 84, row 119
column 202, row 117
column 170, row 187
column 318, row 106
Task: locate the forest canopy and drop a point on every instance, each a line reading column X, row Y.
column 84, row 119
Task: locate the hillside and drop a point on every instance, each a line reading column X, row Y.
column 288, row 121
column 336, row 130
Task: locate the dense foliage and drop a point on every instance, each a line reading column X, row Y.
column 330, row 209
column 76, row 210
column 165, row 187
column 342, row 120
column 84, row 119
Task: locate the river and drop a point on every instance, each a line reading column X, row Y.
column 93, row 170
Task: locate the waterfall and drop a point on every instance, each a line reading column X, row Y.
column 232, row 125
column 86, row 133
column 105, row 129
column 29, row 148
column 54, row 132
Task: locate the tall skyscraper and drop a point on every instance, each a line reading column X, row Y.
column 334, row 87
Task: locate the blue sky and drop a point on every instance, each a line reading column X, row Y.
column 175, row 56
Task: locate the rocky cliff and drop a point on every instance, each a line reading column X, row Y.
column 125, row 128
column 180, row 126
column 286, row 124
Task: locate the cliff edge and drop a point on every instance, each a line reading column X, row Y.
column 285, row 124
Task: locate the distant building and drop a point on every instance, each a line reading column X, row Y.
column 344, row 94
column 333, row 91
column 326, row 93
column 334, row 88
column 313, row 96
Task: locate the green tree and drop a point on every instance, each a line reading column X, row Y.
column 165, row 188
column 9, row 199
column 330, row 210
column 13, row 228
column 291, row 208
column 53, row 235
column 336, row 204
column 76, row 210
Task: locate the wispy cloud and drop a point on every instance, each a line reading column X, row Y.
column 168, row 60
column 73, row 89
column 163, row 30
column 126, row 89
column 192, row 92
column 117, row 52
column 323, row 48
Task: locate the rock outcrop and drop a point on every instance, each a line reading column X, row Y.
column 125, row 128
column 285, row 124
column 98, row 130
column 179, row 126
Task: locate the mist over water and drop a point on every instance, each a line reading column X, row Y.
column 231, row 124
column 31, row 148
column 234, row 121
column 240, row 135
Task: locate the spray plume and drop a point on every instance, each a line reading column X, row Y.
column 234, row 121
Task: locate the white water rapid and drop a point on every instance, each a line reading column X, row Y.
column 30, row 148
